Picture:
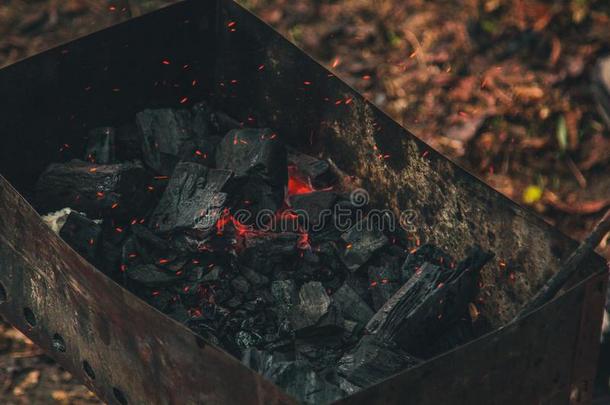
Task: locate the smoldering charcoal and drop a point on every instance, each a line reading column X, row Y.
column 235, row 234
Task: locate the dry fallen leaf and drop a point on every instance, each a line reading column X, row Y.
column 28, row 382
column 528, row 93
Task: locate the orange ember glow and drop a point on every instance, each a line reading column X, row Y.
column 297, row 185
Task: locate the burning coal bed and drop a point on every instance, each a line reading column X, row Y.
column 232, row 233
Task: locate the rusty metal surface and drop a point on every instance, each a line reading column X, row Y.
column 49, row 101
column 536, row 361
column 130, row 347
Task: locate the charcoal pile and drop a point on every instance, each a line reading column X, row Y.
column 233, row 233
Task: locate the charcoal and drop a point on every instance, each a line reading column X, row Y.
column 147, row 242
column 150, row 275
column 261, row 252
column 361, row 242
column 192, row 200
column 426, row 253
column 118, row 190
column 84, row 235
column 256, row 196
column 255, row 278
column 352, row 305
column 258, row 159
column 429, row 303
column 202, row 117
column 384, row 280
column 222, row 123
column 246, row 339
column 314, row 209
column 200, row 151
column 212, row 275
column 101, row 146
column 298, row 379
column 312, row 304
column 372, row 361
column 128, row 142
column 164, row 132
column 256, row 152
column 240, row 284
column 311, row 170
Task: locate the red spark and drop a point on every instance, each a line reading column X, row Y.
column 123, row 268
column 366, row 77
column 336, row 62
column 161, row 177
column 184, row 100
column 118, row 229
column 114, row 206
column 163, row 261
column 231, row 24
column 166, row 61
column 374, row 284
column 307, row 83
column 93, row 170
column 99, row 195
column 261, row 67
column 156, row 293
column 194, row 83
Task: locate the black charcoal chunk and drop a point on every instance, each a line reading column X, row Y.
column 240, row 284
column 101, row 146
column 255, row 278
column 164, row 132
column 312, row 304
column 314, row 210
column 192, row 200
column 84, row 236
column 150, row 275
column 222, row 123
column 212, row 275
column 426, row 253
column 428, row 304
column 299, row 379
column 200, row 151
column 202, row 117
column 384, row 279
column 258, row 159
column 352, row 306
column 314, row 171
column 261, row 252
column 372, row 361
column 116, row 190
column 360, row 243
column 128, row 142
column 254, row 152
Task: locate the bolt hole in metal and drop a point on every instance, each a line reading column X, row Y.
column 3, row 294
column 88, row 370
column 29, row 316
column 59, row 344
column 119, row 396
